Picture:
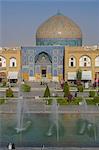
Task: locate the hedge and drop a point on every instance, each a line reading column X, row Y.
column 80, row 88
column 91, row 93
column 9, row 92
column 26, row 88
column 2, row 100
column 96, row 99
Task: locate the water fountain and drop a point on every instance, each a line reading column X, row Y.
column 86, row 126
column 54, row 119
column 21, row 110
column 61, row 129
column 84, row 104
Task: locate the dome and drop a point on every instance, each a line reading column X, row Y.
column 59, row 30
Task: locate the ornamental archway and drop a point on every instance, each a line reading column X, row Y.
column 43, row 66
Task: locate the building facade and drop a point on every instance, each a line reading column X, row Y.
column 9, row 64
column 42, row 62
column 84, row 58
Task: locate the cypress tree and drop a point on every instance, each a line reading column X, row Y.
column 79, row 76
column 66, row 89
column 47, row 92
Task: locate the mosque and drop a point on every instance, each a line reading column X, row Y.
column 58, row 53
column 49, row 58
column 46, row 59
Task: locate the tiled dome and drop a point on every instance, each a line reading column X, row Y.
column 58, row 27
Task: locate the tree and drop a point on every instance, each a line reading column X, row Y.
column 66, row 89
column 9, row 92
column 47, row 92
column 79, row 76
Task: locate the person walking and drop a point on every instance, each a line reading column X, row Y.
column 13, row 146
column 43, row 147
column 9, row 146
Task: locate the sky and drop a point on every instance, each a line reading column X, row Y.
column 19, row 19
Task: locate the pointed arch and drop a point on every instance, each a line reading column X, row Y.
column 72, row 61
column 85, row 61
column 43, row 55
column 13, row 62
column 2, row 61
column 97, row 61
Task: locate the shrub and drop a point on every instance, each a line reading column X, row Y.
column 26, row 88
column 66, row 89
column 9, row 93
column 96, row 99
column 62, row 101
column 47, row 92
column 80, row 88
column 90, row 102
column 49, row 101
column 76, row 100
column 91, row 93
column 2, row 100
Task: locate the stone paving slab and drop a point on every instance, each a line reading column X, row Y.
column 53, row 148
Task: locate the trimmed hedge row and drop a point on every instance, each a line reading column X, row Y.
column 63, row 101
column 26, row 88
column 75, row 101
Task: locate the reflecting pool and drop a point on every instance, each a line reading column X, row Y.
column 74, row 130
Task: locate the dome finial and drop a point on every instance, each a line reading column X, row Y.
column 58, row 12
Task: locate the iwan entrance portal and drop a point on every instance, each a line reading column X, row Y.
column 43, row 66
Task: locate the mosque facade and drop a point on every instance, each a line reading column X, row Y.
column 42, row 62
column 46, row 59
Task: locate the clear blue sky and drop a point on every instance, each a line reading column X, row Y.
column 19, row 19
